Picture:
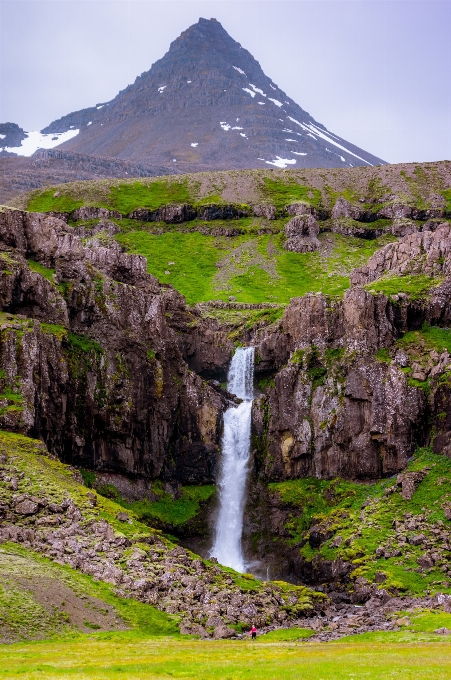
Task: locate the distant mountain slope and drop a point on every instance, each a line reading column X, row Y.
column 207, row 104
column 54, row 166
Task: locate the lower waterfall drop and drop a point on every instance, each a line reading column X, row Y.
column 236, row 443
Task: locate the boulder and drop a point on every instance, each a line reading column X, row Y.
column 123, row 517
column 265, row 210
column 344, row 208
column 425, row 561
column 403, row 621
column 302, row 234
column 26, row 507
column 409, row 482
column 418, row 539
column 223, row 632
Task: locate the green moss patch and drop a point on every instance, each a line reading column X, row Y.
column 43, row 271
column 128, row 197
column 416, row 286
column 283, row 192
column 249, row 267
column 46, row 201
column 362, row 516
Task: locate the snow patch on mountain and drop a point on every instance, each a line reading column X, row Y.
column 282, row 162
column 37, row 140
column 257, row 89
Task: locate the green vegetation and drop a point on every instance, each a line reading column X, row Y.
column 167, row 512
column 283, row 192
column 427, row 339
column 43, row 271
column 11, row 394
column 193, row 254
column 383, row 355
column 127, row 197
column 447, row 196
column 45, row 201
column 54, row 329
column 82, row 344
column 251, row 268
column 41, row 599
column 107, row 656
column 337, row 505
column 415, row 285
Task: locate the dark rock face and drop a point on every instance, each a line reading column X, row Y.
column 334, row 408
column 222, row 113
column 426, row 252
column 302, row 234
column 176, row 214
column 11, row 136
column 117, row 394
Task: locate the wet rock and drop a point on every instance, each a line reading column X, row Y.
column 319, row 535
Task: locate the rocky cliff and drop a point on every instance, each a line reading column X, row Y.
column 92, row 356
column 117, row 374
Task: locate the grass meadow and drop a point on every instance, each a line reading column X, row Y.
column 126, row 655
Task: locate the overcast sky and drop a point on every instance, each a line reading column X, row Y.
column 376, row 72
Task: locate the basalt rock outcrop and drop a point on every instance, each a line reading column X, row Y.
column 426, row 252
column 302, row 234
column 334, row 407
column 92, row 356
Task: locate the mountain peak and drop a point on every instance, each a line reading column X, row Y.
column 206, row 104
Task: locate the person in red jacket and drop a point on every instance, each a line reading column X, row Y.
column 253, row 632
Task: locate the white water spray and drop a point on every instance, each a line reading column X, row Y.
column 236, row 442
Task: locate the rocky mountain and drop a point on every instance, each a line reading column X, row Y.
column 207, row 104
column 341, row 283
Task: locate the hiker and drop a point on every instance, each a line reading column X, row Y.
column 253, row 632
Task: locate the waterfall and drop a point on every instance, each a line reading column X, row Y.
column 236, row 442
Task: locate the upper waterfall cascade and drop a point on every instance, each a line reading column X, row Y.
column 236, row 441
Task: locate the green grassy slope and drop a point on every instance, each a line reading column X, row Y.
column 250, row 268
column 253, row 266
column 363, row 517
column 41, row 599
column 413, row 183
